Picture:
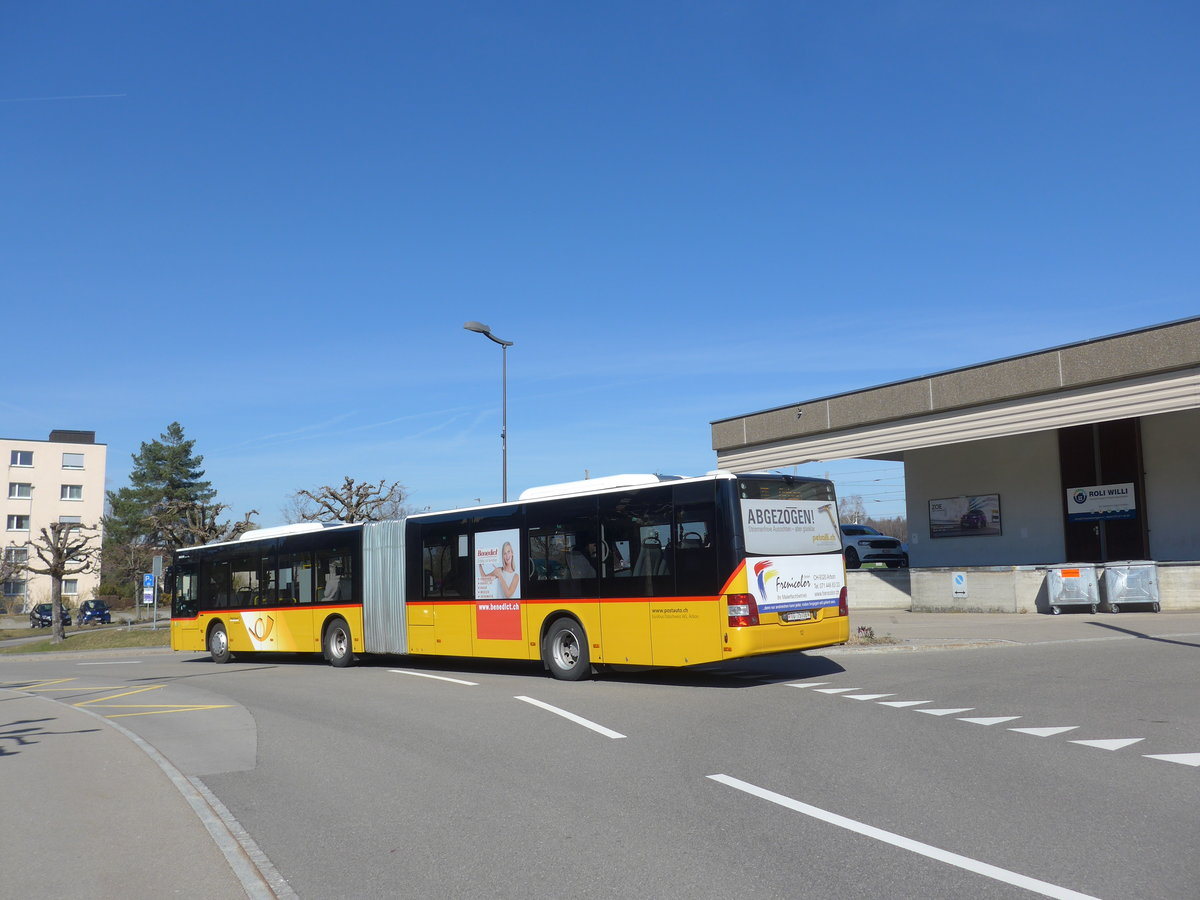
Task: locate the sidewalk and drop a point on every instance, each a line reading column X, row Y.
column 93, row 814
column 929, row 631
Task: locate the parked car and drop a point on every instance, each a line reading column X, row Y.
column 41, row 616
column 863, row 544
column 94, row 612
column 975, row 518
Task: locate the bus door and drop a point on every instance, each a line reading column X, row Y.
column 441, row 623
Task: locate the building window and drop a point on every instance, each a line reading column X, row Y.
column 16, row 555
column 72, row 460
column 70, row 586
column 18, row 490
column 18, row 523
column 21, row 458
column 71, row 492
column 14, row 589
column 71, row 520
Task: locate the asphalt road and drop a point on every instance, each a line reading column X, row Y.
column 856, row 775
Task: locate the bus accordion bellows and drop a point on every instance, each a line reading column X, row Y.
column 644, row 570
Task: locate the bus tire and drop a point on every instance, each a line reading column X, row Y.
column 218, row 644
column 565, row 650
column 338, row 645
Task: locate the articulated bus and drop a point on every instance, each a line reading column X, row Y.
column 640, row 570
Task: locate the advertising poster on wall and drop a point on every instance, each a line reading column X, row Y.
column 498, row 585
column 967, row 516
column 1101, row 501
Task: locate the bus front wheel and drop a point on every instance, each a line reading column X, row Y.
column 338, row 645
column 218, row 644
column 565, row 650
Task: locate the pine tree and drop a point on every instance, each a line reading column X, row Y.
column 165, row 474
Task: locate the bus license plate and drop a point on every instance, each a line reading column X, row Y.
column 796, row 615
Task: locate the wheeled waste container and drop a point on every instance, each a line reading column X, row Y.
column 1073, row 585
column 1132, row 582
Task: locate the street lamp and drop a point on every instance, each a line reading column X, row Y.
column 504, row 345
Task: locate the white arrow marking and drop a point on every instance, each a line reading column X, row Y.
column 1187, row 759
column 867, row 696
column 990, row 720
column 1112, row 744
column 945, row 712
column 1045, row 732
column 837, row 690
column 902, row 703
column 805, row 683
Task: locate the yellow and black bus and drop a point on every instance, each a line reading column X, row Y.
column 645, row 570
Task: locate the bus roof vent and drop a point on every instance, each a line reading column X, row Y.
column 591, row 485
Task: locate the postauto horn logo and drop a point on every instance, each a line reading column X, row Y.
column 763, row 572
column 1080, row 496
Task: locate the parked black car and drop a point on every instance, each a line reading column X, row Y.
column 975, row 518
column 41, row 616
column 94, row 612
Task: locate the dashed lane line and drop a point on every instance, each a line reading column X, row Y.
column 436, row 677
column 987, row 870
column 578, row 720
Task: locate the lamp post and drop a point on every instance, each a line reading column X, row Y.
column 504, row 345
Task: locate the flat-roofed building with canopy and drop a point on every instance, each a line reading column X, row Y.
column 1083, row 453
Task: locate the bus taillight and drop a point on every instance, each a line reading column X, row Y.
column 742, row 610
column 843, row 603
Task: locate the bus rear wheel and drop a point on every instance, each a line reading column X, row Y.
column 338, row 646
column 565, row 650
column 218, row 644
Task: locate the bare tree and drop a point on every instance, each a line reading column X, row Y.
column 186, row 523
column 852, row 509
column 352, row 502
column 63, row 548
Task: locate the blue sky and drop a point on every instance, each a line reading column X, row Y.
column 269, row 221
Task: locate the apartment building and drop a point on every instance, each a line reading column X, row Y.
column 56, row 480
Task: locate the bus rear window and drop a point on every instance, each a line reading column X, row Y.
column 784, row 487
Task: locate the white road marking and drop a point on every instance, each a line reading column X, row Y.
column 437, row 677
column 1187, row 759
column 944, row 712
column 115, row 662
column 963, row 862
column 1045, row 732
column 866, row 696
column 901, row 704
column 1112, row 744
column 578, row 720
column 806, row 683
column 837, row 690
column 988, row 720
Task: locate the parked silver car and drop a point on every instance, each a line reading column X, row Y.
column 863, row 544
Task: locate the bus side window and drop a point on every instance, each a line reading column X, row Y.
column 444, row 563
column 335, row 576
column 636, row 542
column 696, row 566
column 564, row 549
